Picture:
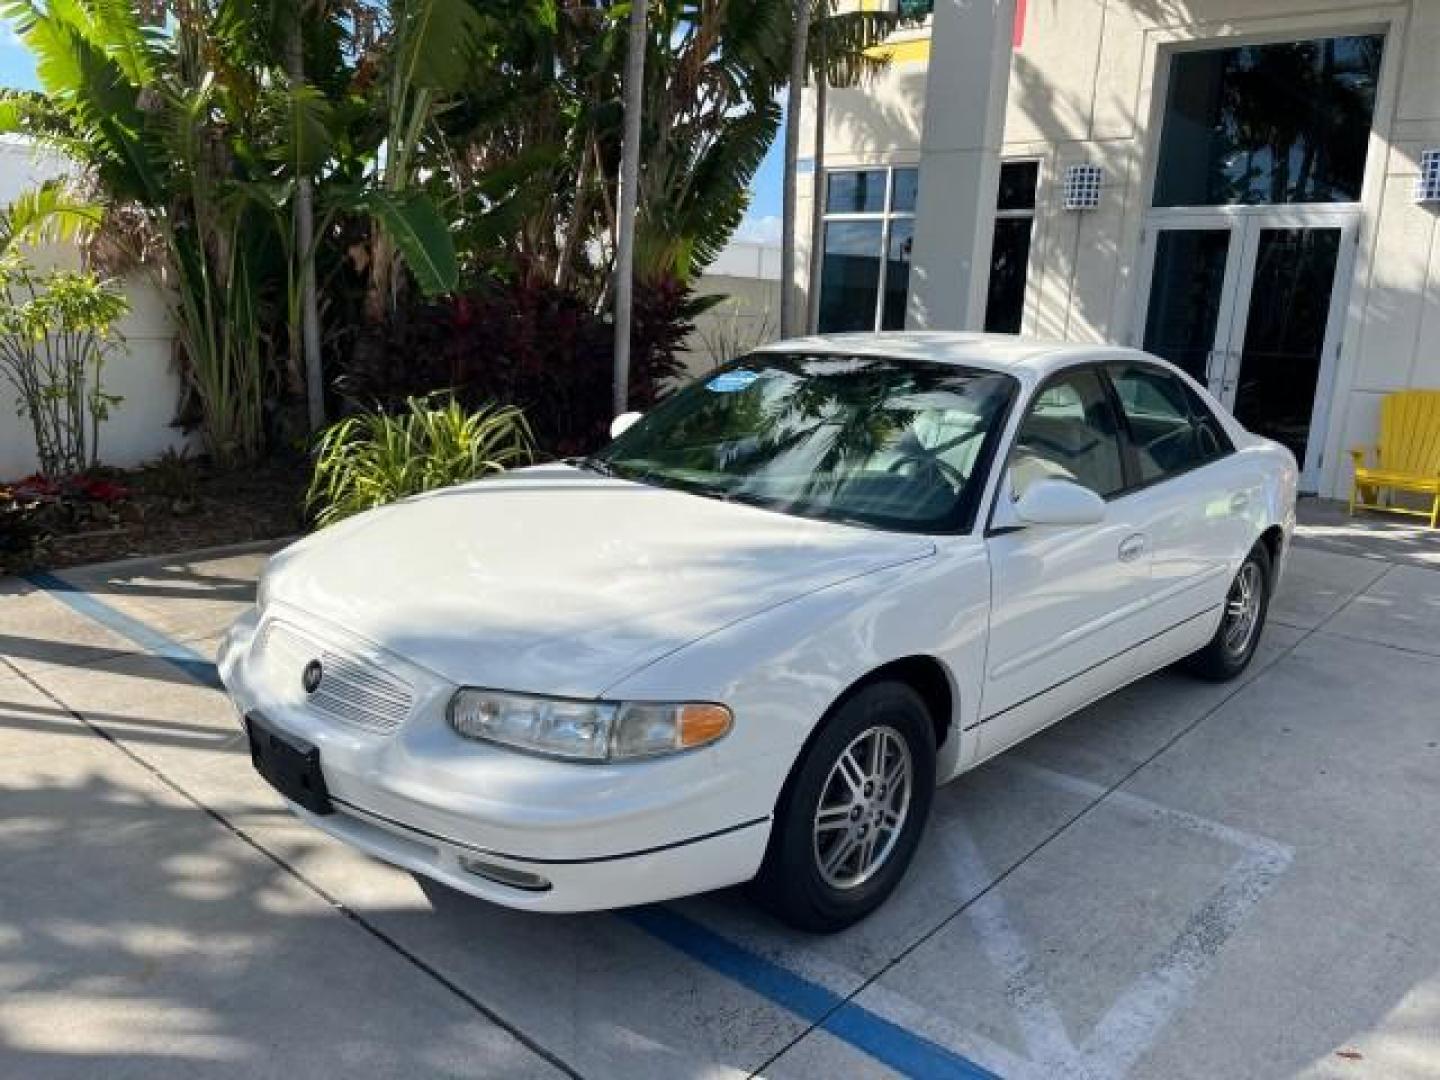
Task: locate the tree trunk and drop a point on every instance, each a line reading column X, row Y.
column 305, row 254
column 578, row 209
column 625, row 220
column 817, row 199
column 793, row 97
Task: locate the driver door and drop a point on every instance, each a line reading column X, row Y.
column 1065, row 600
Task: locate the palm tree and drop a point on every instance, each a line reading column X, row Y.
column 799, row 47
column 843, row 55
column 836, row 49
column 629, row 182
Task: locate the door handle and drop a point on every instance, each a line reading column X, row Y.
column 1239, row 502
column 1132, row 547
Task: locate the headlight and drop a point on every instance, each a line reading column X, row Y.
column 586, row 730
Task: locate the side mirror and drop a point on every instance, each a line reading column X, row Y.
column 623, row 423
column 1059, row 502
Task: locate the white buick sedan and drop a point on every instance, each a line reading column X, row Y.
column 746, row 640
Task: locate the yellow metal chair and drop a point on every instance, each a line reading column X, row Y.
column 1407, row 457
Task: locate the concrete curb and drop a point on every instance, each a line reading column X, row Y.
column 218, row 551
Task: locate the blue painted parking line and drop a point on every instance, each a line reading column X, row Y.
column 885, row 1041
column 199, row 667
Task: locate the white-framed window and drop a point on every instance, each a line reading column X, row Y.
column 868, row 236
column 1010, row 250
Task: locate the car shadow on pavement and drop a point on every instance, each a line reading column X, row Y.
column 140, row 938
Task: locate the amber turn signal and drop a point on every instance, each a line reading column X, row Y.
column 701, row 724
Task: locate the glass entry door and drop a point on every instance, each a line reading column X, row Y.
column 1191, row 287
column 1278, row 341
column 1250, row 304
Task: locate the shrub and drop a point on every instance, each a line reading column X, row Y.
column 37, row 509
column 370, row 460
column 20, row 528
column 534, row 346
column 56, row 332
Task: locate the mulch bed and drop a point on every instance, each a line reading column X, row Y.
column 170, row 507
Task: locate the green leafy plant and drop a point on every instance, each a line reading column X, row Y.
column 370, row 460
column 57, row 331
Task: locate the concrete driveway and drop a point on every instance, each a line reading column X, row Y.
column 1186, row 880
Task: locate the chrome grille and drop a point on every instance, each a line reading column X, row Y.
column 353, row 689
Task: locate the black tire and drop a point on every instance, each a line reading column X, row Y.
column 792, row 883
column 1224, row 657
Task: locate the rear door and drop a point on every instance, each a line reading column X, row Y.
column 1065, row 600
column 1185, row 494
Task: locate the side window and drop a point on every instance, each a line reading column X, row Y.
column 1169, row 435
column 1214, row 443
column 1069, row 432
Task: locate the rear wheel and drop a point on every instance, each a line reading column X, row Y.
column 1230, row 650
column 853, row 811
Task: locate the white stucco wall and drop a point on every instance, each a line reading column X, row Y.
column 877, row 123
column 141, row 372
column 747, row 275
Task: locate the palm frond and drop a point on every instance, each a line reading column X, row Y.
column 47, row 213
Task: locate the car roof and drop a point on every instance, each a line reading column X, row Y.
column 1026, row 357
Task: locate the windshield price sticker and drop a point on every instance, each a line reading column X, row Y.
column 732, row 382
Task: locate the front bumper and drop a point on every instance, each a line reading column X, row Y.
column 477, row 817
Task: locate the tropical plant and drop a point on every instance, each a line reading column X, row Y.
column 56, row 332
column 151, row 114
column 536, row 143
column 370, row 460
column 47, row 213
column 197, row 122
column 530, row 344
column 284, row 162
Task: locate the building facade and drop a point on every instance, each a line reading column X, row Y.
column 1249, row 189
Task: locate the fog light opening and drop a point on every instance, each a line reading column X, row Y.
column 504, row 875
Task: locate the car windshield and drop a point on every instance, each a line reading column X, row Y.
column 891, row 443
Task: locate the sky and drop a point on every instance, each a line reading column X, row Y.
column 762, row 222
column 17, row 69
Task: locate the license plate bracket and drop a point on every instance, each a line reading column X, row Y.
column 289, row 763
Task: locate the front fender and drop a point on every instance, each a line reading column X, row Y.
column 781, row 670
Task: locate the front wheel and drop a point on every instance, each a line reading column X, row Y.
column 1230, row 650
column 853, row 813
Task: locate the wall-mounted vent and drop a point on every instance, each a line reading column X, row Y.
column 1427, row 184
column 1082, row 187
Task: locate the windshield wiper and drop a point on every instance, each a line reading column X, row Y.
column 591, row 464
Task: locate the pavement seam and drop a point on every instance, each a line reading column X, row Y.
column 1358, row 640
column 337, row 905
column 1065, row 827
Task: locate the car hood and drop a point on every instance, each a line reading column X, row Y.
column 552, row 580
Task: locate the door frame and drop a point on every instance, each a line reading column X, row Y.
column 1245, row 224
column 1190, row 220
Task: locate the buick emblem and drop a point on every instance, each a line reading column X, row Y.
column 311, row 676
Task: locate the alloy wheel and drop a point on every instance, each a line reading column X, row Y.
column 863, row 807
column 1242, row 608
